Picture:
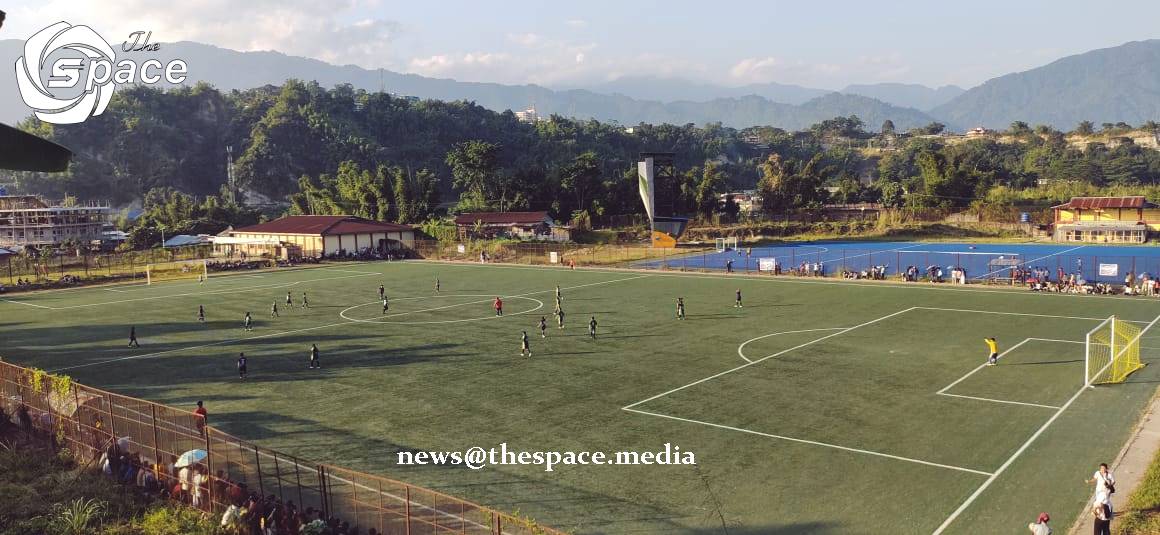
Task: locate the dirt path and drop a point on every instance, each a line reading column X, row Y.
column 1131, row 464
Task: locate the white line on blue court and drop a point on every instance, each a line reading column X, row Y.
column 1030, row 261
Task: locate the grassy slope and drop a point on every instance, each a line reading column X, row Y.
column 450, row 386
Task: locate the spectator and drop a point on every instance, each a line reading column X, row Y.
column 185, row 479
column 197, row 480
column 24, row 417
column 1040, row 527
column 1105, row 483
column 1102, row 524
column 200, row 416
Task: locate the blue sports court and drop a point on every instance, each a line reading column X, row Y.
column 982, row 261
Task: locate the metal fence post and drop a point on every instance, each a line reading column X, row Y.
column 297, row 481
column 380, row 515
column 156, row 434
column 407, row 508
column 258, row 468
column 209, row 464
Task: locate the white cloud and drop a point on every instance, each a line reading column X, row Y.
column 295, row 27
column 883, row 67
column 525, row 39
column 576, row 23
column 552, row 64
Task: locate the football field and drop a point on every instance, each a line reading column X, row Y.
column 820, row 406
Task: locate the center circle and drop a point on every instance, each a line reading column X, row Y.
column 482, row 302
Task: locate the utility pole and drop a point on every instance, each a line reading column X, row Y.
column 230, row 173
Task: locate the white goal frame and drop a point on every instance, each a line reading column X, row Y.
column 198, row 266
column 726, row 244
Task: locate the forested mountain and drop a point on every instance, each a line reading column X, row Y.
column 674, row 89
column 228, row 70
column 315, row 150
column 919, row 97
column 1109, row 85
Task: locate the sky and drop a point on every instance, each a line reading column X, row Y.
column 825, row 45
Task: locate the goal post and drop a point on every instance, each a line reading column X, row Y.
column 1112, row 351
column 181, row 269
column 726, row 244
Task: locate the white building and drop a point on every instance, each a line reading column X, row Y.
column 314, row 235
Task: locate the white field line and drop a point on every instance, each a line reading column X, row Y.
column 815, row 443
column 1000, row 357
column 767, row 357
column 844, row 258
column 1026, row 262
column 280, row 333
column 1019, row 314
column 784, row 279
column 964, row 252
column 377, row 319
column 992, row 400
column 981, row 366
column 979, row 491
column 25, row 304
column 741, row 354
column 211, row 292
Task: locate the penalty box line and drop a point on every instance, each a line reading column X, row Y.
column 815, row 443
column 295, row 331
column 1011, row 460
column 944, row 392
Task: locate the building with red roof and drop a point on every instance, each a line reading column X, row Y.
column 1105, row 219
column 519, row 225
column 315, row 235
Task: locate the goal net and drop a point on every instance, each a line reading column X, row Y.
column 1112, row 351
column 183, row 269
column 726, row 244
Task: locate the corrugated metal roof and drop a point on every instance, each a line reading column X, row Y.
column 360, row 226
column 502, row 218
column 321, row 225
column 1092, row 203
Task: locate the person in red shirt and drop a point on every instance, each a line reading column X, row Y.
column 199, row 416
column 498, row 306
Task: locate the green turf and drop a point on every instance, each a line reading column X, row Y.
column 833, row 432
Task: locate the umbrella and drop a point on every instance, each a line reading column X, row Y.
column 190, row 457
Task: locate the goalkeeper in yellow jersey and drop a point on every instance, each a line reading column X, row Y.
column 993, row 347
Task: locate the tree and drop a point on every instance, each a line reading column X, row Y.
column 933, row 129
column 1019, row 128
column 712, row 181
column 887, row 128
column 891, row 194
column 787, row 185
column 475, row 171
column 581, row 179
column 404, row 201
column 1085, row 128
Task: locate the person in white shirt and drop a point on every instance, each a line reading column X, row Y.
column 1105, row 483
column 195, row 487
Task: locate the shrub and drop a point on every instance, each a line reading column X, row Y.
column 77, row 517
column 175, row 521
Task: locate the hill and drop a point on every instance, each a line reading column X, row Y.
column 229, row 70
column 1114, row 84
column 919, row 97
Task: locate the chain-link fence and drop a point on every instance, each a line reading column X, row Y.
column 91, row 422
column 110, row 266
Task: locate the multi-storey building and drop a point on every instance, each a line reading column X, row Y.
column 29, row 220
